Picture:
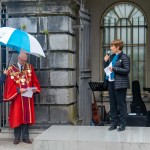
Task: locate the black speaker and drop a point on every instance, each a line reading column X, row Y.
column 138, row 120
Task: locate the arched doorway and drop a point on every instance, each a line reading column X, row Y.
column 127, row 22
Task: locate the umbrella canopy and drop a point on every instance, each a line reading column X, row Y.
column 20, row 40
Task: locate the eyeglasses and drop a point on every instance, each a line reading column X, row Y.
column 23, row 60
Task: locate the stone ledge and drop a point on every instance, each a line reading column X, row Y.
column 92, row 137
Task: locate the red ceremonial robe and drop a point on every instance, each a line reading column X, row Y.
column 21, row 108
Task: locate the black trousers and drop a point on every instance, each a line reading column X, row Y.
column 22, row 129
column 117, row 101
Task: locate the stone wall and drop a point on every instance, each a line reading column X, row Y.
column 51, row 22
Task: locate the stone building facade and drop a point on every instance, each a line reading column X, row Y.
column 56, row 25
column 70, row 34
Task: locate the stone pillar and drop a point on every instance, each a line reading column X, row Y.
column 52, row 23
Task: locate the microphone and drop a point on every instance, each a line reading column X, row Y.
column 108, row 53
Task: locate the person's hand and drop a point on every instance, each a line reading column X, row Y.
column 106, row 58
column 110, row 68
column 22, row 90
column 5, row 72
column 34, row 90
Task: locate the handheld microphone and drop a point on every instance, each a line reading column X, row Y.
column 108, row 53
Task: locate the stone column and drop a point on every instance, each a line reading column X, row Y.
column 52, row 23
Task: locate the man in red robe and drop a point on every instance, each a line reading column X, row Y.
column 20, row 77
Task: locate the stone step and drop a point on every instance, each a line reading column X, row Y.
column 8, row 145
column 7, row 133
column 92, row 137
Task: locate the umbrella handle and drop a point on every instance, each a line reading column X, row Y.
column 9, row 61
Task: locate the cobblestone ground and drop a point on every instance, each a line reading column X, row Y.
column 8, row 145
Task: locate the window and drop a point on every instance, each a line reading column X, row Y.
column 126, row 22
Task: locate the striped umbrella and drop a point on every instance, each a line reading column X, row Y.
column 20, row 40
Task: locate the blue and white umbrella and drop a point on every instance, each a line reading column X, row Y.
column 20, row 40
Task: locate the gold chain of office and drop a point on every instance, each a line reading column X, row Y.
column 21, row 77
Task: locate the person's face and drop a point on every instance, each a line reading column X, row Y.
column 22, row 60
column 114, row 49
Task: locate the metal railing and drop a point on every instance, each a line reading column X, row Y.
column 4, row 107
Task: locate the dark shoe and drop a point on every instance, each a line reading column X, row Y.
column 27, row 141
column 121, row 128
column 112, row 127
column 16, row 141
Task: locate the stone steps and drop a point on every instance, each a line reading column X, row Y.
column 7, row 138
column 7, row 133
column 8, row 145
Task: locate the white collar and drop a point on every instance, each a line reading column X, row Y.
column 19, row 65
